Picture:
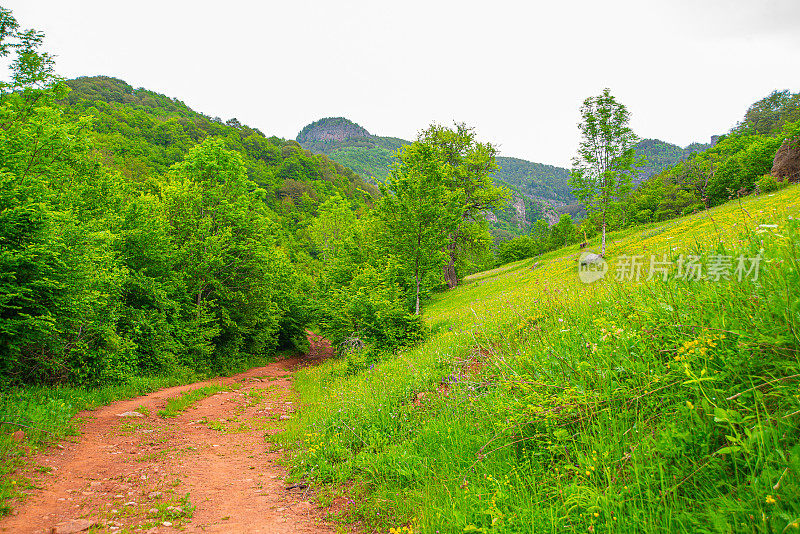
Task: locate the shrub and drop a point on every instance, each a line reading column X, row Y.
column 768, row 183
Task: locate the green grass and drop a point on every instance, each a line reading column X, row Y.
column 185, row 400
column 610, row 407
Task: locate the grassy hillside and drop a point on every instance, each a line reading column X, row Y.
column 542, row 404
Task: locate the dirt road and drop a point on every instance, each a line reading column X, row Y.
column 145, row 474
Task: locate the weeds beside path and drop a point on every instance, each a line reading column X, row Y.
column 207, row 469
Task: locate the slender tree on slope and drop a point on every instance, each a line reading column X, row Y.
column 601, row 173
column 418, row 212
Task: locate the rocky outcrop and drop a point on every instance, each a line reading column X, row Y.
column 331, row 129
column 519, row 207
column 787, row 160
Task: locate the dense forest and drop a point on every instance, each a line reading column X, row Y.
column 660, row 155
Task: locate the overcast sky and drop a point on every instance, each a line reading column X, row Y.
column 517, row 71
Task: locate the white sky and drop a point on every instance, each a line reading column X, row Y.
column 517, row 71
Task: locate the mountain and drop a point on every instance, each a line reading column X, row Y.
column 661, row 155
column 351, row 145
column 538, row 190
column 545, row 189
column 370, row 155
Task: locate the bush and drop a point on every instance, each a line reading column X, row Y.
column 372, row 308
column 768, row 183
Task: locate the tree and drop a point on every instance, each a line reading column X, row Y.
column 468, row 168
column 418, row 212
column 230, row 268
column 601, row 173
column 333, row 225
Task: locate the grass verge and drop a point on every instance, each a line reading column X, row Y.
column 185, row 400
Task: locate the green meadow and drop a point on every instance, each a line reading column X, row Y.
column 539, row 403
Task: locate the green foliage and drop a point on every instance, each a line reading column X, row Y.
column 534, row 184
column 768, row 115
column 729, row 169
column 536, row 180
column 372, row 308
column 142, row 134
column 467, row 166
column 139, row 237
column 418, row 213
column 768, row 184
column 659, row 155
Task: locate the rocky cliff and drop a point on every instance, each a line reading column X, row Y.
column 332, row 129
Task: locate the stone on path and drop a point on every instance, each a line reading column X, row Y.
column 72, row 526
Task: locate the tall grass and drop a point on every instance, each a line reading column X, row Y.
column 554, row 406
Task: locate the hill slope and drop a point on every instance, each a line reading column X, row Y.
column 541, row 404
column 546, row 185
column 371, row 155
column 142, row 133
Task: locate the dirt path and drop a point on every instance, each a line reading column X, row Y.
column 131, row 474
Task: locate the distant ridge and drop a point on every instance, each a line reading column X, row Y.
column 662, row 155
column 545, row 188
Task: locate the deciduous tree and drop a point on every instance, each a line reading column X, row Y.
column 418, row 211
column 468, row 166
column 601, row 173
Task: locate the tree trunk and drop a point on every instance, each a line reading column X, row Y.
column 450, row 275
column 416, row 275
column 603, row 246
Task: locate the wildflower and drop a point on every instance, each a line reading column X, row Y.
column 770, row 499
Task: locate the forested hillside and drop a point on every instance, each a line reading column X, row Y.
column 141, row 237
column 351, row 145
column 737, row 165
column 544, row 187
column 661, row 155
column 141, row 134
